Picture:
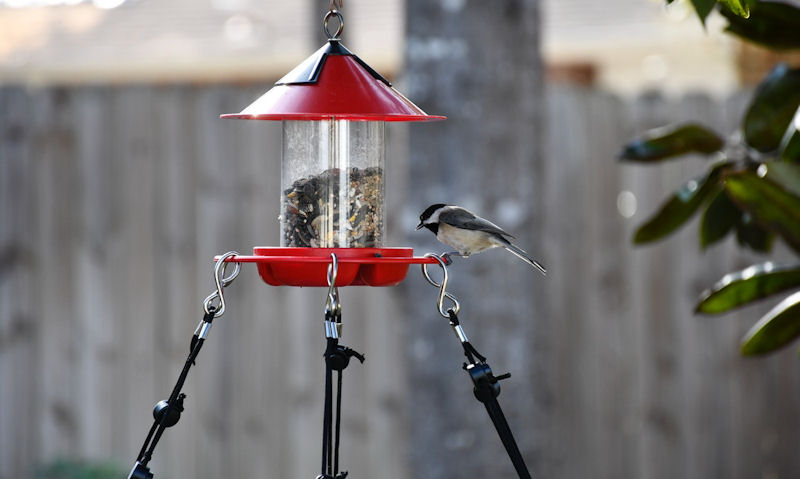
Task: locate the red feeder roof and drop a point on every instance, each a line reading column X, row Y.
column 333, row 83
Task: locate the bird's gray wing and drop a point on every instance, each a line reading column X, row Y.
column 461, row 218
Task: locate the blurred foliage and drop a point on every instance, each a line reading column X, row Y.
column 703, row 8
column 753, row 283
column 770, row 24
column 672, row 141
column 752, row 185
column 78, row 469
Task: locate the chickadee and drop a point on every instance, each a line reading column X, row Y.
column 469, row 233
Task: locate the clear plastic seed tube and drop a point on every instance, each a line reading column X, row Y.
column 332, row 184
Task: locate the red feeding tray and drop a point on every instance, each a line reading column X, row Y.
column 309, row 266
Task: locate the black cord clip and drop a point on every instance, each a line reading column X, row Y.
column 340, row 357
column 486, row 385
column 173, row 413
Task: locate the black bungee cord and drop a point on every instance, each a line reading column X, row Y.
column 167, row 413
column 337, row 357
column 486, row 386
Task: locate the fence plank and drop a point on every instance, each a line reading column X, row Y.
column 99, row 317
column 178, row 299
column 58, row 184
column 20, row 324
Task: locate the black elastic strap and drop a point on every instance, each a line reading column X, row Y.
column 146, row 453
column 471, row 353
column 337, row 358
column 147, row 440
column 327, row 451
column 504, row 431
column 486, row 389
column 338, row 424
column 469, row 350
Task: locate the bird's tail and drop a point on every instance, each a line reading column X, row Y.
column 524, row 256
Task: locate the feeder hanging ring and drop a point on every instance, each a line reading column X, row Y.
column 221, row 281
column 335, row 36
column 442, row 287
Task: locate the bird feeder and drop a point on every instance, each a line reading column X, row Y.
column 333, row 108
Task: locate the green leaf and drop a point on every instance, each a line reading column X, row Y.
column 703, row 8
column 718, row 220
column 750, row 234
column 679, row 207
column 790, row 144
column 671, row 141
column 750, row 284
column 772, row 108
column 768, row 200
column 771, row 24
column 739, row 7
column 775, row 329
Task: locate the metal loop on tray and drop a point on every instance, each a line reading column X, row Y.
column 221, row 281
column 332, row 303
column 442, row 287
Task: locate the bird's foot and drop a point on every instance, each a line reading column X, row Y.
column 446, row 257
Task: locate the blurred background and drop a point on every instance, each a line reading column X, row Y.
column 119, row 183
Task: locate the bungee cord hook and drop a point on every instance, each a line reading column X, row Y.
column 486, row 385
column 332, row 303
column 442, row 286
column 221, row 281
column 337, row 357
column 167, row 413
column 333, row 306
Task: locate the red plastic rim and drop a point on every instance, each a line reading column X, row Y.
column 309, row 266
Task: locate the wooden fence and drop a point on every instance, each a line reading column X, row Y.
column 114, row 199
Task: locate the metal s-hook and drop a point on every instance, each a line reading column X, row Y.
column 333, row 306
column 221, row 281
column 442, row 287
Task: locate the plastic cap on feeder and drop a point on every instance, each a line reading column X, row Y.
column 333, row 108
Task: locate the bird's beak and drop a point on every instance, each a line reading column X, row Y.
column 419, row 226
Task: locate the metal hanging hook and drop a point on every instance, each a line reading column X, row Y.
column 333, row 4
column 442, row 287
column 221, row 281
column 333, row 307
column 332, row 303
column 328, row 16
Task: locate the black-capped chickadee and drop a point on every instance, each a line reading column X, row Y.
column 469, row 233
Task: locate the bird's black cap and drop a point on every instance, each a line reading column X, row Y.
column 428, row 212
